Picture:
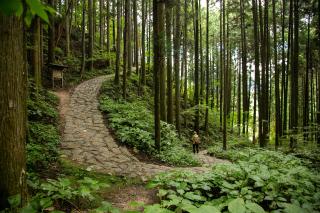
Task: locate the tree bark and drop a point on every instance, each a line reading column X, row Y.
column 177, row 65
column 159, row 58
column 169, row 62
column 13, row 110
column 91, row 29
column 118, row 50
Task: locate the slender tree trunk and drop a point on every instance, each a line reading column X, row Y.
column 245, row 99
column 143, row 45
column 118, row 48
column 169, row 62
column 114, row 25
column 91, row 34
column 101, row 23
column 83, row 38
column 185, row 50
column 136, row 44
column 295, row 74
column 159, row 58
column 108, row 24
column 67, row 24
column 196, row 69
column 207, row 71
column 13, row 110
column 239, row 97
column 306, row 86
column 283, row 65
column 51, row 32
column 35, row 53
column 225, row 80
column 177, row 65
column 277, row 74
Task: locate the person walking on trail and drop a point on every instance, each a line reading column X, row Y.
column 195, row 142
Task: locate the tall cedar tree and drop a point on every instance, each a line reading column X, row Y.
column 118, row 50
column 159, row 59
column 196, row 68
column 169, row 61
column 177, row 65
column 13, row 109
column 91, row 36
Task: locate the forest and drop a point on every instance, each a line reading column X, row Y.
column 159, row 106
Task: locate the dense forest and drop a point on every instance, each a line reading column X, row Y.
column 104, row 105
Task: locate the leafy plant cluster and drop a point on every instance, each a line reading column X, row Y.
column 64, row 195
column 261, row 181
column 133, row 125
column 43, row 137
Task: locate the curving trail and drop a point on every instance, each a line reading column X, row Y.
column 87, row 140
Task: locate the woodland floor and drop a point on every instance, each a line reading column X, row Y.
column 86, row 139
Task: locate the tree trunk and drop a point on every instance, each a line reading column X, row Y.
column 13, row 110
column 91, row 29
column 177, row 65
column 295, row 74
column 108, row 24
column 67, row 23
column 51, row 32
column 83, row 38
column 118, row 50
column 277, row 89
column 196, row 68
column 101, row 23
column 207, row 71
column 159, row 58
column 35, row 53
column 136, row 43
column 169, row 62
column 143, row 45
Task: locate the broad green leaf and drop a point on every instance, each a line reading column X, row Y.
column 38, row 9
column 237, row 206
column 195, row 197
column 188, row 207
column 45, row 202
column 207, row 209
column 291, row 208
column 14, row 200
column 156, row 209
column 10, row 7
column 255, row 208
column 29, row 209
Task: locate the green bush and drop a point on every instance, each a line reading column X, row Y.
column 133, row 125
column 43, row 136
column 262, row 181
column 42, row 145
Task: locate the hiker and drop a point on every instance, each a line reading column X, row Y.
column 195, row 142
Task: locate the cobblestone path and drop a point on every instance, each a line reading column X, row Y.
column 87, row 140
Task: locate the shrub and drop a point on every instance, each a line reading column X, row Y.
column 265, row 181
column 133, row 125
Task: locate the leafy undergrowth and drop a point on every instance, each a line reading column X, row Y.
column 260, row 181
column 133, row 125
column 43, row 136
column 74, row 189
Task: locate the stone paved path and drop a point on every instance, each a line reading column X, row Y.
column 87, row 141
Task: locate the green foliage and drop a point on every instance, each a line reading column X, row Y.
column 261, row 181
column 133, row 125
column 34, row 8
column 41, row 105
column 64, row 194
column 42, row 145
column 43, row 137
